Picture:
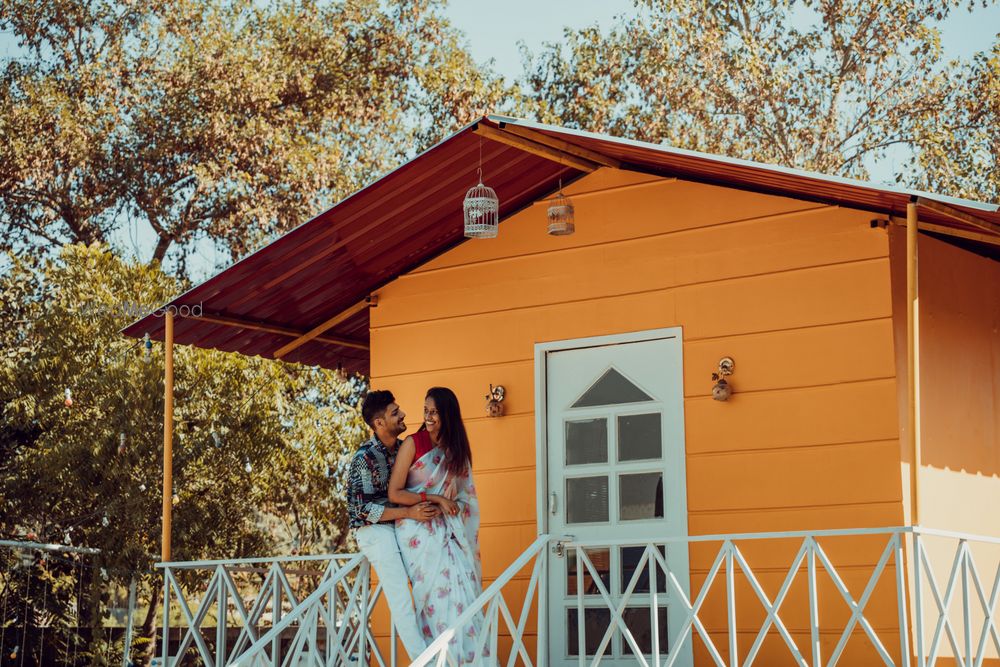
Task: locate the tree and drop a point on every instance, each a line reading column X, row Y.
column 230, row 120
column 821, row 85
column 960, row 148
column 253, row 437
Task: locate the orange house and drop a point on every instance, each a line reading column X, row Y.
column 856, row 326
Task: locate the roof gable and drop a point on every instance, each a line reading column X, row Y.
column 315, row 279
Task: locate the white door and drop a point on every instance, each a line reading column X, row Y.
column 614, row 426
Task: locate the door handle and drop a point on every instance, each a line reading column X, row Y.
column 553, row 503
column 559, row 548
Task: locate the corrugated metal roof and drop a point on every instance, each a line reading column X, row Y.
column 414, row 213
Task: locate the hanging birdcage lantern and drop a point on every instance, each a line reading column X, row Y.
column 482, row 209
column 560, row 215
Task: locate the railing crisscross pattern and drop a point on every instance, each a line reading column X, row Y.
column 931, row 576
column 338, row 607
column 963, row 573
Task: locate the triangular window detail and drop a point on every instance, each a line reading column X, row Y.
column 612, row 389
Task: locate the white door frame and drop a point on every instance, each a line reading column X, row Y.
column 541, row 434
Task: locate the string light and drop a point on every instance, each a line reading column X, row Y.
column 248, row 467
column 175, row 499
column 121, row 443
column 69, row 397
column 142, row 487
column 216, row 440
column 105, row 521
column 104, row 574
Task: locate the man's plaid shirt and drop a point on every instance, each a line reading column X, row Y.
column 368, row 482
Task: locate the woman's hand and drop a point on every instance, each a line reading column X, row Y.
column 422, row 511
column 447, row 505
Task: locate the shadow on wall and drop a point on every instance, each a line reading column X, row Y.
column 959, row 294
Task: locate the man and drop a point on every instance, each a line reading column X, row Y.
column 371, row 514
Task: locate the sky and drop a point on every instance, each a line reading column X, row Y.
column 494, row 28
column 494, row 31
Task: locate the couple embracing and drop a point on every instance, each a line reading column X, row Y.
column 413, row 508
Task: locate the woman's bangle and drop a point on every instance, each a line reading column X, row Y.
column 423, row 496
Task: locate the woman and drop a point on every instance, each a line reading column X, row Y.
column 441, row 555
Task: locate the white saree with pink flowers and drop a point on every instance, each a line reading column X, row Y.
column 442, row 557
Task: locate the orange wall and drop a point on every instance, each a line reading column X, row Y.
column 960, row 382
column 798, row 293
column 959, row 333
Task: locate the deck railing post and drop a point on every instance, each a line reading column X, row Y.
column 918, row 597
column 817, row 659
column 275, row 618
column 966, row 607
column 363, row 611
column 542, row 637
column 220, row 622
column 392, row 644
column 654, row 604
column 580, row 621
column 901, row 592
column 166, row 618
column 734, row 660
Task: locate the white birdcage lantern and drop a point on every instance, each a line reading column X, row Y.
column 482, row 209
column 560, row 215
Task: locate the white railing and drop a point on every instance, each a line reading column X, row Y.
column 810, row 561
column 284, row 611
column 965, row 608
column 485, row 615
column 809, row 598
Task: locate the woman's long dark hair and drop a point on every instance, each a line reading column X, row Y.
column 454, row 439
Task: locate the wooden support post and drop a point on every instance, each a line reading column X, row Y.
column 168, row 432
column 318, row 330
column 958, row 214
column 226, row 320
column 535, row 148
column 913, row 360
column 561, row 145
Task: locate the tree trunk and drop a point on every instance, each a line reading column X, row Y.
column 147, row 632
column 162, row 245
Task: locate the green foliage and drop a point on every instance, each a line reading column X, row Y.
column 231, row 120
column 824, row 86
column 960, row 146
column 252, row 444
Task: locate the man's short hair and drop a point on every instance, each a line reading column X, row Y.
column 374, row 404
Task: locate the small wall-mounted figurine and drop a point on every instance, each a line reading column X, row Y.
column 494, row 401
column 722, row 389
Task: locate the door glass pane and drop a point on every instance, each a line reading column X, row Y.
column 641, row 496
column 639, row 437
column 595, row 623
column 586, row 441
column 586, row 499
column 630, row 559
column 600, row 559
column 612, row 388
column 637, row 621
